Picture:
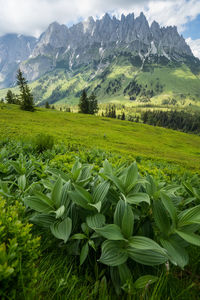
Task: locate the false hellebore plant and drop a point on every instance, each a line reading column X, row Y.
column 118, row 217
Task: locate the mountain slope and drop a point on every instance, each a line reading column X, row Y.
column 121, row 60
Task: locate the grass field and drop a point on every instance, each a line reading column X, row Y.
column 97, row 132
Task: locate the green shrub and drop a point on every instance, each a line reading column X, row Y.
column 43, row 142
column 19, row 251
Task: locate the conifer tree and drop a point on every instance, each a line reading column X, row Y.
column 84, row 103
column 11, row 97
column 47, row 105
column 93, row 104
column 26, row 98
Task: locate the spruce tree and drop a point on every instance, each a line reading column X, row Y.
column 10, row 97
column 26, row 98
column 47, row 104
column 93, row 104
column 84, row 103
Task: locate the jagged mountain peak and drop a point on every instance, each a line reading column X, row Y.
column 97, row 40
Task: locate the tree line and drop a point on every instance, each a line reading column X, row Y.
column 177, row 120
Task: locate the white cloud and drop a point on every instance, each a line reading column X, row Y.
column 33, row 16
column 195, row 46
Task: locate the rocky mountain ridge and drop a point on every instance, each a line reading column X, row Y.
column 96, row 42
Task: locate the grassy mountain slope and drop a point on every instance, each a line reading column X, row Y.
column 129, row 139
column 119, row 80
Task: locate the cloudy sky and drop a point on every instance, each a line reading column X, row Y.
column 31, row 17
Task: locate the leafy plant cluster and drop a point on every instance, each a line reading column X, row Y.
column 119, row 225
column 118, row 219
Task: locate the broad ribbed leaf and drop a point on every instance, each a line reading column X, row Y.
column 161, row 217
column 43, row 220
column 84, row 253
column 127, row 221
column 58, row 173
column 144, row 243
column 124, row 273
column 117, row 182
column 100, row 192
column 38, row 204
column 62, row 230
column 107, row 168
column 189, row 216
column 119, row 213
column 111, row 232
column 145, row 280
column 65, row 200
column 168, row 204
column 96, row 221
column 137, row 198
column 146, row 257
column 131, row 177
column 113, row 253
column 57, row 192
column 177, row 254
column 191, row 238
column 83, row 193
column 22, row 182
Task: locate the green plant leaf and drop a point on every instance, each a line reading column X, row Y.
column 113, row 253
column 96, row 221
column 131, row 177
column 147, row 257
column 177, row 254
column 168, row 204
column 107, row 168
column 189, row 216
column 100, row 192
column 62, row 230
column 58, row 173
column 127, row 221
column 97, row 206
column 60, row 212
column 119, row 213
column 111, row 232
column 84, row 253
column 78, row 236
column 191, row 238
column 144, row 243
column 161, row 217
column 65, row 200
column 43, row 220
column 22, row 182
column 57, row 192
column 145, row 280
column 38, row 204
column 84, row 194
column 137, row 198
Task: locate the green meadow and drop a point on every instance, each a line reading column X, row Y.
column 129, row 139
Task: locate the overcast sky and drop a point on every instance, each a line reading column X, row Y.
column 31, row 17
